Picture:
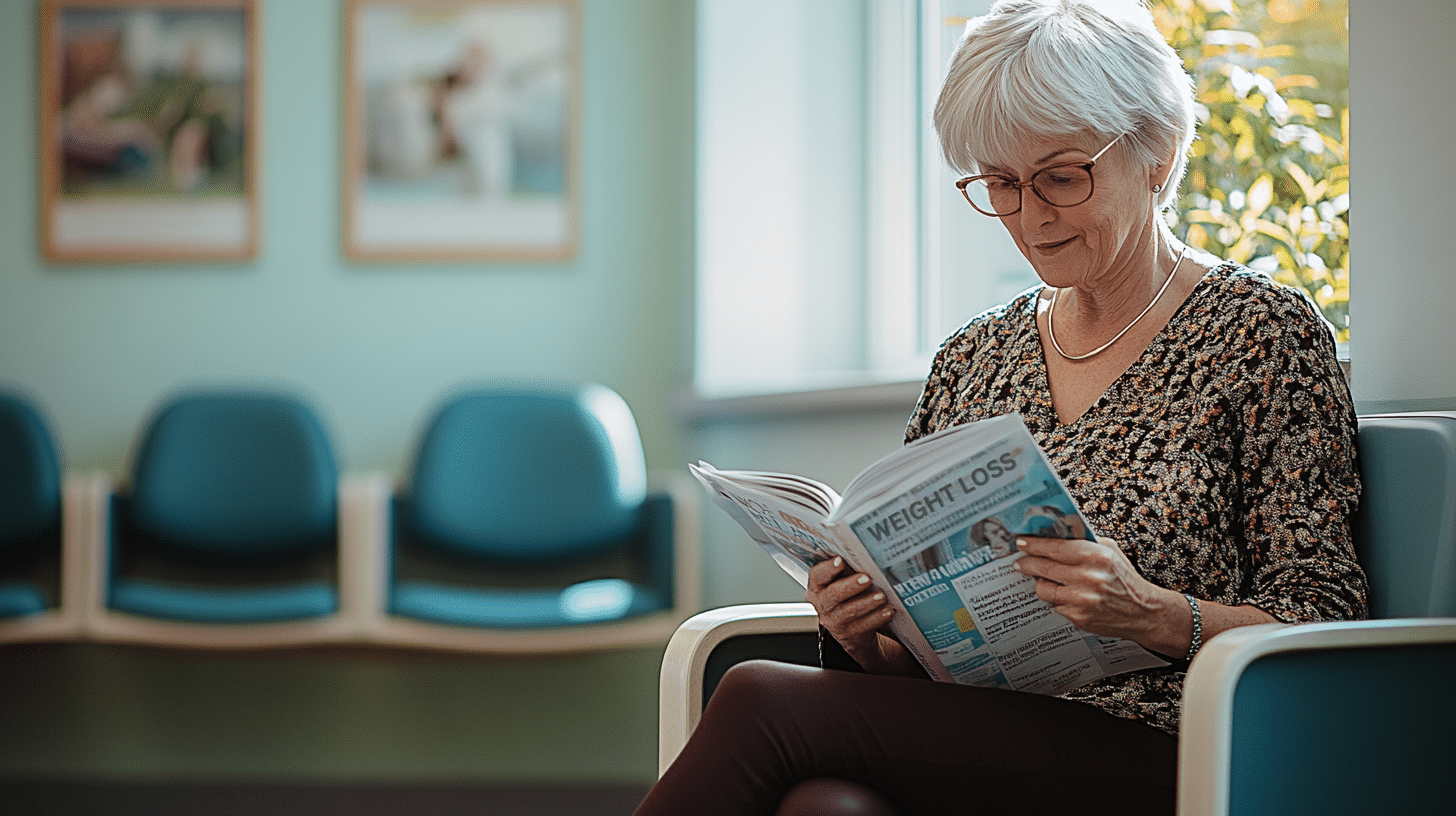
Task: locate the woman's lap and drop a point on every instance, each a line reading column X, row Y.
column 926, row 746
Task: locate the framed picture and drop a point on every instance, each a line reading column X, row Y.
column 148, row 130
column 460, row 130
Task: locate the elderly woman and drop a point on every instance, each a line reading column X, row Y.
column 1194, row 408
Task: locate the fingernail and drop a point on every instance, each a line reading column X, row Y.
column 864, row 579
column 838, row 562
column 1020, row 543
column 879, row 596
column 888, row 612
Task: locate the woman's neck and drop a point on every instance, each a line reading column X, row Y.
column 1124, row 291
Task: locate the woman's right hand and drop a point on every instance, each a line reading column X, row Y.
column 853, row 611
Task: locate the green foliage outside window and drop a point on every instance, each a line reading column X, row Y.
column 1269, row 177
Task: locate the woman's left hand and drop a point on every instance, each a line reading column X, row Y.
column 1096, row 587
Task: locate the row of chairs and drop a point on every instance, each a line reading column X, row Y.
column 526, row 524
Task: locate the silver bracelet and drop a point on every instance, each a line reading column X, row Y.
column 1197, row 642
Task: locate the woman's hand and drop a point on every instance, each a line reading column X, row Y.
column 849, row 607
column 1094, row 585
column 853, row 611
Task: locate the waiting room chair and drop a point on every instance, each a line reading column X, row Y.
column 228, row 534
column 1264, row 706
column 1335, row 719
column 528, row 525
column 1405, row 531
column 41, row 546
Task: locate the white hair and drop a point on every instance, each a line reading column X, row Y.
column 1065, row 67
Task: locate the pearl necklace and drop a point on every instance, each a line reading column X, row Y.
column 1052, row 335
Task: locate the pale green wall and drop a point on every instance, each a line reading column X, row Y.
column 373, row 346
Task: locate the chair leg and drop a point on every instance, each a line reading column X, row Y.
column 834, row 797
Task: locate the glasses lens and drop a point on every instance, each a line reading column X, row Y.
column 994, row 195
column 1065, row 185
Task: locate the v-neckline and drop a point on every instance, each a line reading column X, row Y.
column 1042, row 372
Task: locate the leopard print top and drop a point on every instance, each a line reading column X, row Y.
column 1222, row 461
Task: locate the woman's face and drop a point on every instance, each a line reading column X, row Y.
column 999, row 538
column 1095, row 241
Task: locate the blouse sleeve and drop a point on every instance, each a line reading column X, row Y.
column 1298, row 477
column 935, row 397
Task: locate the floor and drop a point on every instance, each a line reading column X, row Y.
column 63, row 797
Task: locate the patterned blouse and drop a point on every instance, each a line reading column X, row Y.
column 1222, row 461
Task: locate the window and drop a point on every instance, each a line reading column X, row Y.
column 833, row 249
column 1269, row 180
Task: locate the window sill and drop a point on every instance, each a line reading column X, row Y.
column 879, row 396
column 898, row 395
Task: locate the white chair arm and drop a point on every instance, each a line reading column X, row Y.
column 680, row 697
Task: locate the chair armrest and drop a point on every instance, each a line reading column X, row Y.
column 93, row 493
column 364, row 546
column 1206, row 758
column 80, row 493
column 680, row 699
column 66, row 620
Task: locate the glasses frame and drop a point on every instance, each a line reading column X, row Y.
column 1021, row 186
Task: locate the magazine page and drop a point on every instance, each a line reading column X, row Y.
column 783, row 519
column 779, row 512
column 907, row 466
column 946, row 544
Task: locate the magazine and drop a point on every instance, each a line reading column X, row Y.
column 934, row 525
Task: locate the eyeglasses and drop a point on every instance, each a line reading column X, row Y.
column 1060, row 185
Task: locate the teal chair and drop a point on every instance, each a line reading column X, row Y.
column 228, row 532
column 1405, row 532
column 528, row 525
column 42, row 529
column 1335, row 719
column 30, row 511
column 1330, row 718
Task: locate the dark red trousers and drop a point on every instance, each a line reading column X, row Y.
column 927, row 748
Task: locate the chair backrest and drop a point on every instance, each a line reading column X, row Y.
column 528, row 472
column 236, row 475
column 1405, row 530
column 30, row 475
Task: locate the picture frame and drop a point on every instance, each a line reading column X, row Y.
column 461, row 130
column 149, row 132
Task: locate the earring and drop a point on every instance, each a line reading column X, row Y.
column 1157, row 188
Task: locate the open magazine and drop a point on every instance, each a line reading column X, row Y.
column 934, row 524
